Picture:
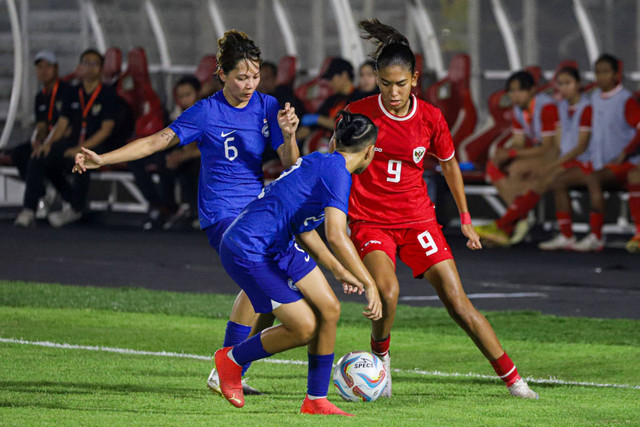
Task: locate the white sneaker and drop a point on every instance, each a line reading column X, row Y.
column 386, row 362
column 213, row 382
column 63, row 217
column 589, row 244
column 25, row 219
column 46, row 202
column 560, row 242
column 521, row 389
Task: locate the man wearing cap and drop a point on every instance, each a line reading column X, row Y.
column 29, row 157
column 89, row 118
column 340, row 76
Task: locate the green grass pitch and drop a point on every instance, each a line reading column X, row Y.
column 442, row 379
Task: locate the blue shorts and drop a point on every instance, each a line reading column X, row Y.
column 268, row 284
column 216, row 230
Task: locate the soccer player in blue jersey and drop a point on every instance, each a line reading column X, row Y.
column 231, row 128
column 259, row 251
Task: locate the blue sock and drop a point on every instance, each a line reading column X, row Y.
column 235, row 334
column 319, row 375
column 249, row 350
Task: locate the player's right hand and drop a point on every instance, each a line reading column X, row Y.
column 86, row 159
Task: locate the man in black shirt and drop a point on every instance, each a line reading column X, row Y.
column 340, row 76
column 29, row 157
column 90, row 119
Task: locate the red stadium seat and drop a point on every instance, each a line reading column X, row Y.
column 135, row 87
column 286, row 71
column 452, row 95
column 73, row 77
column 206, row 68
column 112, row 65
column 315, row 91
column 495, row 133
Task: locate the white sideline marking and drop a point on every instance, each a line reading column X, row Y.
column 480, row 296
column 50, row 344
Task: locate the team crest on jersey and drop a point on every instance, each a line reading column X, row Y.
column 59, row 105
column 95, row 110
column 265, row 128
column 418, row 154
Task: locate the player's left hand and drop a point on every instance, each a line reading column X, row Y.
column 474, row 240
column 288, row 120
column 373, row 310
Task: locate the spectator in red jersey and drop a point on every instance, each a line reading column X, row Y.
column 614, row 141
column 574, row 164
column 570, row 169
column 533, row 147
column 390, row 212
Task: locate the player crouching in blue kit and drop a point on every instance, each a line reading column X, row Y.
column 260, row 253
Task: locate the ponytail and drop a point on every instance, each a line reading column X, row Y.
column 392, row 47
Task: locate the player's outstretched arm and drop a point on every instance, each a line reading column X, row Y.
column 451, row 172
column 335, row 224
column 135, row 150
column 288, row 122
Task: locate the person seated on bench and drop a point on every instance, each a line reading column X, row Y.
column 614, row 141
column 87, row 120
column 534, row 146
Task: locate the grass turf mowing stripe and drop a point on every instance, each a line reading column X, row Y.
column 299, row 362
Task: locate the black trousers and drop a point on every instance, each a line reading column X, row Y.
column 56, row 168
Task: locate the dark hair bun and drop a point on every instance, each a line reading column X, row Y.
column 354, row 130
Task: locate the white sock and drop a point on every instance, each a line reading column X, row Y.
column 310, row 397
column 230, row 356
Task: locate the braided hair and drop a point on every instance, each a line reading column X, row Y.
column 354, row 132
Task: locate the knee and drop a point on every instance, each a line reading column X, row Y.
column 462, row 311
column 389, row 294
column 305, row 330
column 330, row 313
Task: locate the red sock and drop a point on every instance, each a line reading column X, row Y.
column 380, row 348
column 564, row 222
column 506, row 370
column 634, row 204
column 518, row 209
column 596, row 220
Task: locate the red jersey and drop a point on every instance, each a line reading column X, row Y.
column 392, row 192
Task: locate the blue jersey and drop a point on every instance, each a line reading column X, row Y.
column 231, row 141
column 292, row 204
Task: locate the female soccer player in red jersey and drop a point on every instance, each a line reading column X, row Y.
column 390, row 212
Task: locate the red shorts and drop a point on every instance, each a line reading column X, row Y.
column 420, row 248
column 621, row 171
column 585, row 167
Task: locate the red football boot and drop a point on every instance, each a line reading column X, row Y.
column 321, row 407
column 230, row 374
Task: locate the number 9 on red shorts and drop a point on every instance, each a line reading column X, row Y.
column 420, row 247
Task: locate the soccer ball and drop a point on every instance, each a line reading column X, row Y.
column 359, row 375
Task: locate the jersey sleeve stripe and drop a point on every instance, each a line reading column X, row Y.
column 444, row 160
